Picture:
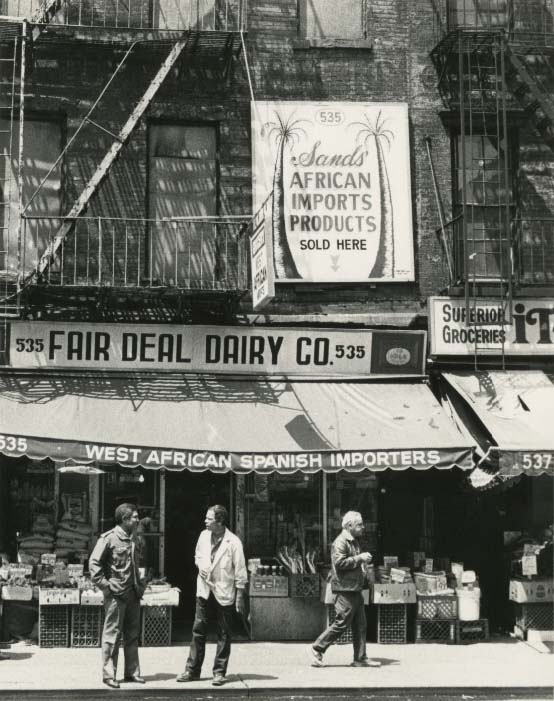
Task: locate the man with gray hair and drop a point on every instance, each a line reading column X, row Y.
column 348, row 579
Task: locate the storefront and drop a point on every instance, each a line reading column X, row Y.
column 288, row 455
column 505, row 407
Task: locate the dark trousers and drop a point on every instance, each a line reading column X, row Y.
column 121, row 620
column 349, row 611
column 224, row 616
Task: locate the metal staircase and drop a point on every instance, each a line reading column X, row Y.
column 213, row 46
column 12, row 59
column 51, row 252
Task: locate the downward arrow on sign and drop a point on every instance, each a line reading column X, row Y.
column 335, row 262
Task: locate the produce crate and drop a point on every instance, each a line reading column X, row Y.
column 537, row 616
column 59, row 597
column 13, row 592
column 392, row 623
column 540, row 590
column 268, row 585
column 392, row 593
column 156, row 626
column 472, row 631
column 441, row 606
column 346, row 637
column 86, row 626
column 53, row 626
column 435, row 630
column 304, row 585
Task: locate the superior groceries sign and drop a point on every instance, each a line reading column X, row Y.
column 339, row 173
column 455, row 330
column 215, row 349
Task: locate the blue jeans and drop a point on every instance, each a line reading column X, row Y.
column 349, row 611
column 224, row 615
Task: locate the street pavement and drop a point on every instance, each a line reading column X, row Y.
column 502, row 669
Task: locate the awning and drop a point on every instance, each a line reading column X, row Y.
column 200, row 423
column 510, row 414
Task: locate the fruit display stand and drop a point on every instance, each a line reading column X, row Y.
column 285, row 608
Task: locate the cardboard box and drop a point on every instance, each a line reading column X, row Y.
column 529, row 591
column 59, row 597
column 92, row 598
column 11, row 592
column 327, row 596
column 169, row 597
column 393, row 593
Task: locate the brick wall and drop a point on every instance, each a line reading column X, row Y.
column 397, row 68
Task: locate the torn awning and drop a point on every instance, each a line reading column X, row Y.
column 200, row 423
column 510, row 415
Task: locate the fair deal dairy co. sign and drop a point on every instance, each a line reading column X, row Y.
column 338, row 178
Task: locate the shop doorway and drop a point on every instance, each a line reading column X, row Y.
column 188, row 496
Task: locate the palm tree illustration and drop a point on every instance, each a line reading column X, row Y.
column 384, row 261
column 285, row 132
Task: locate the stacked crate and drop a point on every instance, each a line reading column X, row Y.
column 436, row 618
column 86, row 626
column 391, row 610
column 53, row 626
column 533, row 605
column 156, row 626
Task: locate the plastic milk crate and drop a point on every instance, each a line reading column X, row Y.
column 435, row 630
column 537, row 616
column 86, row 626
column 53, row 626
column 392, row 623
column 346, row 637
column 472, row 631
column 304, row 585
column 156, row 626
column 443, row 606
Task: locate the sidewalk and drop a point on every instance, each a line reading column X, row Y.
column 264, row 670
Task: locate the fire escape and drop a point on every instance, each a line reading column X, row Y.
column 495, row 64
column 84, row 254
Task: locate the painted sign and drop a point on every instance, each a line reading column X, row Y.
column 200, row 460
column 340, row 177
column 487, row 327
column 216, row 349
column 261, row 259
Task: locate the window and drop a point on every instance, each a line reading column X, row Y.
column 326, row 23
column 42, row 144
column 183, row 183
column 487, row 185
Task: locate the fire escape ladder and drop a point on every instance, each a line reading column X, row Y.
column 12, row 63
column 486, row 198
column 49, row 256
column 530, row 77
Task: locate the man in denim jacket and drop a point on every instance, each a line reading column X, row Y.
column 347, row 582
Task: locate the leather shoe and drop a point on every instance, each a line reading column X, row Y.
column 136, row 679
column 112, row 683
column 187, row 677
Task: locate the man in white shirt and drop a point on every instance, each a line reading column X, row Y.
column 222, row 577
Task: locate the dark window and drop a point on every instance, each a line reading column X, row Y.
column 483, row 181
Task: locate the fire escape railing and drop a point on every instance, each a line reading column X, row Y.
column 205, row 253
column 523, row 21
column 173, row 15
column 532, row 240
